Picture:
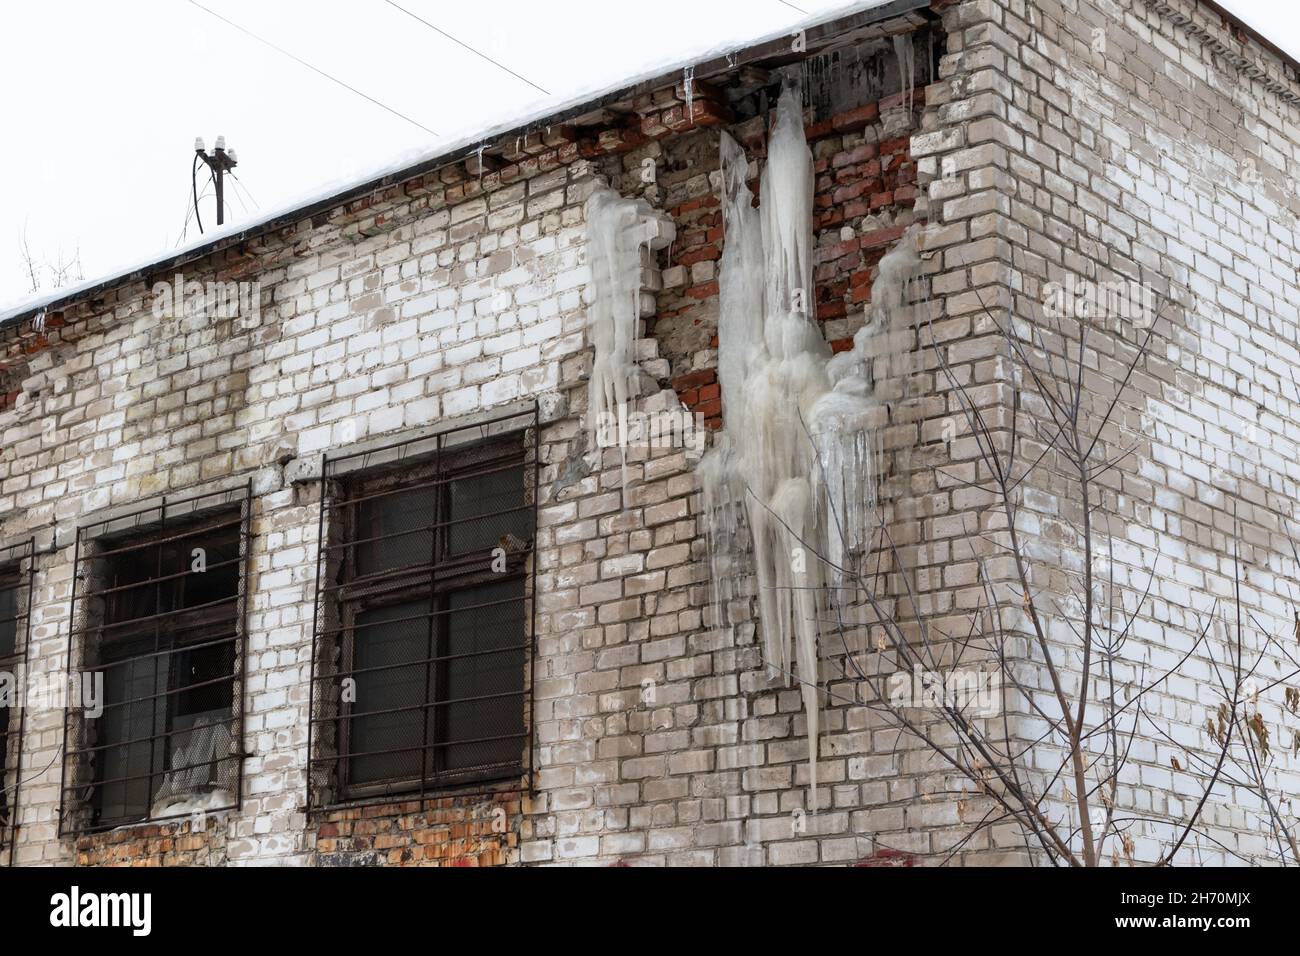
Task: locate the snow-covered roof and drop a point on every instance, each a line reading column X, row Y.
column 720, row 55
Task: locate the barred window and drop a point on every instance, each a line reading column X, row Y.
column 158, row 616
column 423, row 637
column 15, row 613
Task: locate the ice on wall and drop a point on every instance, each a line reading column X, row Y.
column 798, row 457
column 906, row 56
column 618, row 230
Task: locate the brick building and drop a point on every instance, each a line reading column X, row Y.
column 435, row 625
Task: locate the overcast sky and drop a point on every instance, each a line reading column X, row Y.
column 102, row 101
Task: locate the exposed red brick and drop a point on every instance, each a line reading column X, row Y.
column 881, row 237
column 900, row 144
column 695, row 379
column 887, row 857
column 861, row 116
column 814, row 131
column 847, row 193
column 859, row 154
column 700, row 254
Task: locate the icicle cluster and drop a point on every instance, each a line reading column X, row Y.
column 799, row 451
column 618, row 229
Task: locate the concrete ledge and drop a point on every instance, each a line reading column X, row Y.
column 416, row 443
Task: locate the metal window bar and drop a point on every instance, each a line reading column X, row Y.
column 416, row 598
column 17, row 574
column 169, row 641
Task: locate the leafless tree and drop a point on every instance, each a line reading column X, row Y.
column 44, row 273
column 1056, row 624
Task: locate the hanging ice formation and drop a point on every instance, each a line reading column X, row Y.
column 618, row 229
column 906, row 56
column 799, row 451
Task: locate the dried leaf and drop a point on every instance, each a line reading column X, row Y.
column 1257, row 727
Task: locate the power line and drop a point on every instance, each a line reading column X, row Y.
column 244, row 189
column 465, row 45
column 194, row 188
column 314, row 69
column 793, row 7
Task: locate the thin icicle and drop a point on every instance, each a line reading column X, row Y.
column 906, row 56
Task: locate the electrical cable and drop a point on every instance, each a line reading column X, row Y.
column 460, row 43
column 314, row 69
column 194, row 188
column 245, row 190
column 185, row 226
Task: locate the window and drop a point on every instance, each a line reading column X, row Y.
column 158, row 616
column 15, row 611
column 423, row 637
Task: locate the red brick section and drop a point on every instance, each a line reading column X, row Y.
column 700, row 392
column 155, row 844
column 11, row 376
column 853, row 182
column 654, row 116
column 448, row 831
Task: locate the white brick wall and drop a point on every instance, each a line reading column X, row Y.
column 658, row 738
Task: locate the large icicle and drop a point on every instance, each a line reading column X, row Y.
column 617, row 230
column 740, row 321
column 800, row 444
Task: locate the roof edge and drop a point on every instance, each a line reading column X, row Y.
column 817, row 30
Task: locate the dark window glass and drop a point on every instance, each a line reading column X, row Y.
column 9, row 611
column 168, row 651
column 14, row 600
column 394, row 529
column 392, row 649
column 485, row 632
column 486, row 507
column 433, row 630
column 130, row 766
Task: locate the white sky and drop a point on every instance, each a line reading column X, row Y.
column 102, row 101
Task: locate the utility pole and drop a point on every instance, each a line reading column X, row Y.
column 220, row 161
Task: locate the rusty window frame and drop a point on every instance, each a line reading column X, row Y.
column 17, row 575
column 430, row 464
column 152, row 636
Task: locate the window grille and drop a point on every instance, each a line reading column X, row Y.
column 158, row 608
column 423, row 622
column 17, row 566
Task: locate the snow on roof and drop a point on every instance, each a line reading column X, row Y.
column 411, row 162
